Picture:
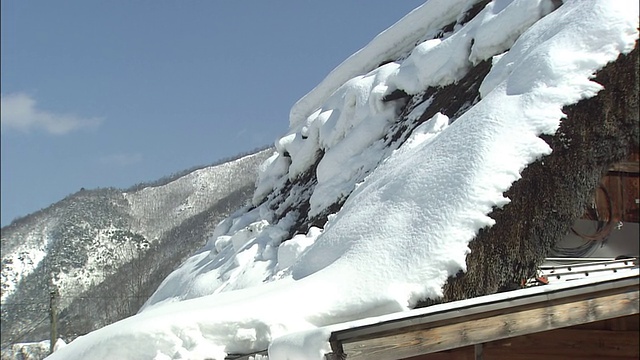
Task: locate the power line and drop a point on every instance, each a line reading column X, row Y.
column 77, row 297
column 21, row 337
column 25, row 304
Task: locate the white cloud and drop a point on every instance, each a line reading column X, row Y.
column 18, row 111
column 121, row 159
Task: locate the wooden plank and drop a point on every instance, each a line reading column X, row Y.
column 478, row 351
column 523, row 356
column 631, row 198
column 567, row 343
column 623, row 192
column 518, row 321
column 480, row 308
column 551, row 345
column 463, row 353
column 625, row 323
column 632, row 167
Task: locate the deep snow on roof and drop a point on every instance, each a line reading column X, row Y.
column 405, row 228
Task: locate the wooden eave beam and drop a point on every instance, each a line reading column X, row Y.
column 488, row 322
column 631, row 167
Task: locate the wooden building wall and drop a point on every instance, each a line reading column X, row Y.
column 616, row 339
column 622, row 184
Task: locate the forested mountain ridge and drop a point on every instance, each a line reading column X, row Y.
column 91, row 245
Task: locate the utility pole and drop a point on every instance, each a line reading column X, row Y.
column 53, row 314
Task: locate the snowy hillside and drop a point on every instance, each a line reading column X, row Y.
column 189, row 195
column 377, row 190
column 94, row 239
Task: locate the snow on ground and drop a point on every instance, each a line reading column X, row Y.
column 407, row 226
column 33, row 350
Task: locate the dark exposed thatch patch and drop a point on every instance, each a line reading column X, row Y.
column 291, row 198
column 452, row 100
column 554, row 191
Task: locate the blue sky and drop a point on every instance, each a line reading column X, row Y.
column 99, row 94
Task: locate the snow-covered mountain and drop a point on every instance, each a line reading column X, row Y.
column 441, row 161
column 94, row 247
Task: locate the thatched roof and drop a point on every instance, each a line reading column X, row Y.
column 554, row 191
